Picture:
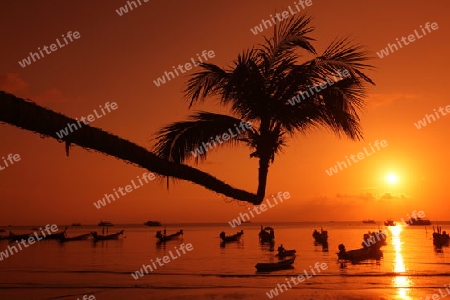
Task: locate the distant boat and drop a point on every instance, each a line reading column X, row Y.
column 370, row 251
column 152, row 223
column 285, row 253
column 162, row 237
column 281, row 265
column 440, row 238
column 231, row 238
column 75, row 238
column 55, row 236
column 360, row 254
column 321, row 237
column 4, row 237
column 105, row 223
column 76, row 224
column 18, row 237
column 369, row 221
column 113, row 236
column 266, row 235
column 389, row 222
column 418, row 222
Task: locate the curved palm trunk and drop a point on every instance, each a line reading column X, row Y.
column 30, row 116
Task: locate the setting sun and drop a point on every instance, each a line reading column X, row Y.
column 392, row 178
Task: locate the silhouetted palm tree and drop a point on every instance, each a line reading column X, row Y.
column 257, row 88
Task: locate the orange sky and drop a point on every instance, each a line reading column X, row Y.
column 117, row 58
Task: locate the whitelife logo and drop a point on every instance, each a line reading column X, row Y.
column 245, row 217
column 225, row 137
column 91, row 118
column 372, row 240
column 85, row 297
column 11, row 158
column 165, row 260
column 296, row 280
column 423, row 123
column 280, row 16
column 415, row 215
column 124, row 9
column 411, row 38
column 31, row 240
column 128, row 189
column 27, row 61
column 187, row 67
column 341, row 74
column 436, row 296
column 360, row 155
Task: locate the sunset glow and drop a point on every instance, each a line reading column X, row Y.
column 271, row 138
column 392, row 178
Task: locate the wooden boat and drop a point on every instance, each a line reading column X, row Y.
column 418, row 222
column 4, row 237
column 56, row 236
column 320, row 238
column 231, row 238
column 286, row 253
column 275, row 266
column 81, row 237
column 374, row 239
column 113, row 236
column 153, row 223
column 440, row 238
column 162, row 237
column 105, row 223
column 18, row 237
column 367, row 253
column 266, row 235
column 389, row 222
column 325, row 247
column 369, row 221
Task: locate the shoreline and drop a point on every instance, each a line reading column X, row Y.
column 113, row 293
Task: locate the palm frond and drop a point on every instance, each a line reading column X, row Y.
column 342, row 101
column 205, row 83
column 185, row 140
column 293, row 33
column 336, row 107
column 343, row 54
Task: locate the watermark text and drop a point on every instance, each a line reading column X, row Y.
column 243, row 217
column 355, row 158
column 165, row 260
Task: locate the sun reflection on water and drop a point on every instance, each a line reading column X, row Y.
column 402, row 283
